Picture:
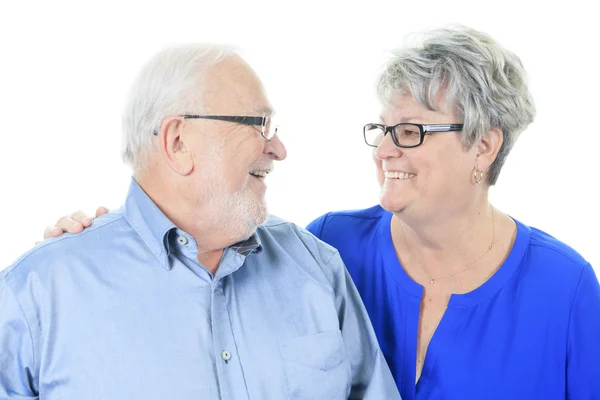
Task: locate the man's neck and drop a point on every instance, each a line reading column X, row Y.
column 210, row 260
column 194, row 220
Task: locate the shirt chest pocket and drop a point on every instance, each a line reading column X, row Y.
column 316, row 366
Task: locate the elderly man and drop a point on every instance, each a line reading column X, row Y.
column 186, row 292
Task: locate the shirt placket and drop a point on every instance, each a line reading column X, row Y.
column 232, row 384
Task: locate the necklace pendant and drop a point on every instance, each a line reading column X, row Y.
column 432, row 281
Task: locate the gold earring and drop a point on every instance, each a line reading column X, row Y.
column 477, row 175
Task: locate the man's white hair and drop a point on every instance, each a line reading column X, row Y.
column 170, row 83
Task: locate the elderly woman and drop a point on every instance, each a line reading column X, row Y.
column 467, row 302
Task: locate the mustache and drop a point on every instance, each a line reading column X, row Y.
column 268, row 167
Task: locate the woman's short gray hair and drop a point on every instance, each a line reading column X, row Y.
column 169, row 83
column 482, row 81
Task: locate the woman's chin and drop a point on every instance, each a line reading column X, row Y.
column 390, row 203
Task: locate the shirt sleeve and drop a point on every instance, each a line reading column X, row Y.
column 371, row 376
column 16, row 349
column 583, row 347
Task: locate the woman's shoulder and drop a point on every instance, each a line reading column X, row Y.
column 548, row 249
column 549, row 260
column 336, row 223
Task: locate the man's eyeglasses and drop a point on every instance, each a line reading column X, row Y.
column 268, row 127
column 404, row 135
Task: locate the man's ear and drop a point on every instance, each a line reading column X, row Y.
column 489, row 147
column 172, row 145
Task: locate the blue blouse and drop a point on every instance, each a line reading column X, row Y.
column 532, row 331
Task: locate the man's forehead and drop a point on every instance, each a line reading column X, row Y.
column 233, row 71
column 232, row 82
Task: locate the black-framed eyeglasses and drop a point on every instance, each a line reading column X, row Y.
column 268, row 127
column 404, row 135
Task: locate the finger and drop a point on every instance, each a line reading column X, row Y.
column 52, row 231
column 101, row 211
column 79, row 216
column 67, row 224
column 82, row 218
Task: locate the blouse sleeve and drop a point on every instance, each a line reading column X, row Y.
column 583, row 347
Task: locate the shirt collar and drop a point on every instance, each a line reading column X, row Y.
column 248, row 246
column 148, row 221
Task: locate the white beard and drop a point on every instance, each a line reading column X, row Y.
column 236, row 215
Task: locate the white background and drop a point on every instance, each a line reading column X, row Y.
column 65, row 68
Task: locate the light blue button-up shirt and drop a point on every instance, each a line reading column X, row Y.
column 125, row 311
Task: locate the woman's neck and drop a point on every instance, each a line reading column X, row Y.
column 447, row 244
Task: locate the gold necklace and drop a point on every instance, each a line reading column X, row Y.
column 437, row 278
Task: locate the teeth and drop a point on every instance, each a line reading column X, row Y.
column 398, row 175
column 262, row 174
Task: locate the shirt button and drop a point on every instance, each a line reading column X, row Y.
column 182, row 240
column 225, row 355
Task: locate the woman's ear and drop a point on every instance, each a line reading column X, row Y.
column 489, row 147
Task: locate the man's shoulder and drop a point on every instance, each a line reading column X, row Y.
column 51, row 251
column 280, row 235
column 283, row 230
